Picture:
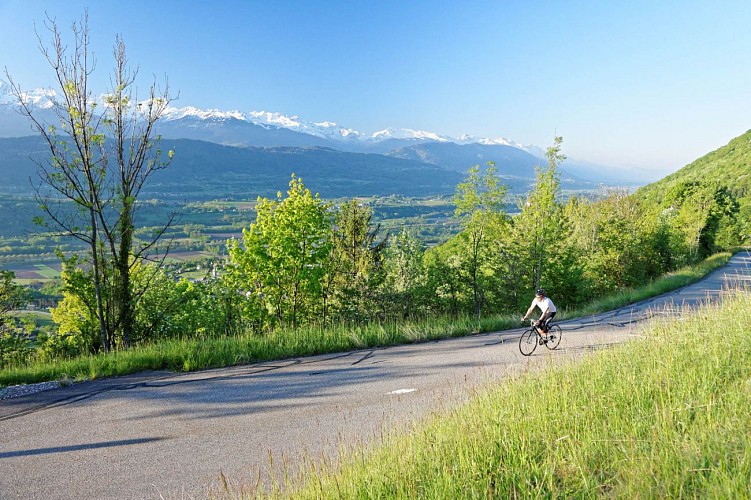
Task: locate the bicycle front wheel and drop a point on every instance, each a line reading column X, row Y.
column 528, row 342
column 554, row 337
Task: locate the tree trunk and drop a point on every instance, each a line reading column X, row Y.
column 126, row 320
column 97, row 285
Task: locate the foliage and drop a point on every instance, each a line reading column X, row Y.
column 578, row 251
column 728, row 167
column 168, row 309
column 63, row 344
column 538, row 228
column 14, row 339
column 12, row 296
column 187, row 353
column 281, row 264
column 618, row 241
column 355, row 267
column 15, row 346
column 76, row 315
column 305, row 263
column 99, row 160
column 701, row 211
column 404, row 274
column 185, row 309
column 480, row 203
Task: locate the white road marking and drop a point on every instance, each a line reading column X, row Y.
column 402, row 391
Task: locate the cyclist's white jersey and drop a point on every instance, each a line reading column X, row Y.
column 545, row 305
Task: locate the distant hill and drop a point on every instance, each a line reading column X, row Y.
column 247, row 172
column 205, row 170
column 515, row 166
column 730, row 166
column 17, row 167
column 509, row 160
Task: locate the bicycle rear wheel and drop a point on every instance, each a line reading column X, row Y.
column 528, row 342
column 554, row 337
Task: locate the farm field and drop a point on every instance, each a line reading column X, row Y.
column 35, row 271
column 199, row 234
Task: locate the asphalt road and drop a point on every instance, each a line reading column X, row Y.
column 166, row 435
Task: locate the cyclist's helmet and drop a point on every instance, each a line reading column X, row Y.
column 541, row 291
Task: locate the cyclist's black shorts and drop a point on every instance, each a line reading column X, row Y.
column 546, row 318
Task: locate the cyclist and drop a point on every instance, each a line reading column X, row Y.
column 547, row 310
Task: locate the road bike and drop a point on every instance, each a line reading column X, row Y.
column 533, row 337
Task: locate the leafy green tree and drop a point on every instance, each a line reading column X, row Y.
column 734, row 230
column 538, row 228
column 76, row 314
column 12, row 295
column 14, row 340
column 703, row 209
column 480, row 205
column 405, row 275
column 614, row 239
column 185, row 309
column 137, row 155
column 444, row 269
column 282, row 263
column 507, row 266
column 727, row 167
column 355, row 264
column 168, row 309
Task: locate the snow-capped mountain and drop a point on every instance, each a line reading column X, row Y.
column 12, row 123
column 330, row 130
column 38, row 98
column 408, row 134
column 215, row 119
column 210, row 114
column 324, row 130
column 270, row 129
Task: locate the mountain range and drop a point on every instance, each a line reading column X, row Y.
column 256, row 152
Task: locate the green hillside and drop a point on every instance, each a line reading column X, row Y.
column 729, row 166
column 205, row 171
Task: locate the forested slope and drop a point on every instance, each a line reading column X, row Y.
column 728, row 166
column 723, row 175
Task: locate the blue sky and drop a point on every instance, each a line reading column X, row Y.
column 651, row 84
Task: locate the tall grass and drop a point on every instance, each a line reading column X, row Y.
column 196, row 354
column 665, row 416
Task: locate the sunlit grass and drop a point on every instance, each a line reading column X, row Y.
column 661, row 417
column 192, row 354
column 198, row 354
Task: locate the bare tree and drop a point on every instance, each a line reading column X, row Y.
column 137, row 155
column 100, row 158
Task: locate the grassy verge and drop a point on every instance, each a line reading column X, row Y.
column 192, row 354
column 665, row 416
